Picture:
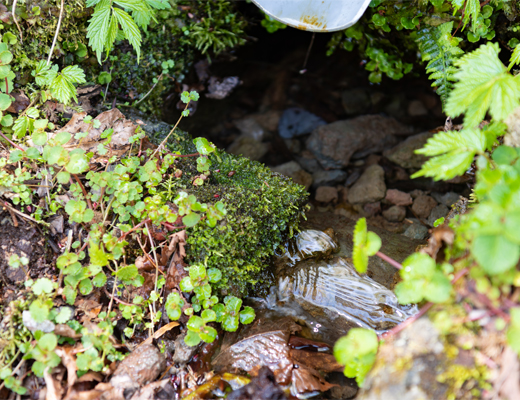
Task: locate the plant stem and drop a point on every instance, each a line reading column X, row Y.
column 57, row 32
column 150, row 91
column 13, row 10
column 389, row 260
column 9, row 140
column 169, row 134
column 83, row 190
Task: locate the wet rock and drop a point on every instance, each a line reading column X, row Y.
column 293, row 170
column 448, row 199
column 416, row 231
column 296, row 122
column 309, row 162
column 394, row 245
column 183, row 353
column 326, row 194
column 307, row 244
column 404, row 153
column 395, row 213
column 334, row 144
column 327, row 178
column 420, row 348
column 251, row 128
column 398, row 198
column 353, row 177
column 370, row 187
column 248, row 147
column 221, row 88
column 417, row 109
column 371, row 209
column 29, row 322
column 356, row 101
column 416, row 193
column 346, row 389
column 142, row 366
column 440, row 211
column 262, row 386
column 423, row 206
column 268, row 120
column 338, row 298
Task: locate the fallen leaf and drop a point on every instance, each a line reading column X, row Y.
column 54, row 389
column 320, row 361
column 69, row 361
column 159, row 333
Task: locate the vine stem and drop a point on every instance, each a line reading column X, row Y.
column 424, row 309
column 57, row 31
column 83, row 190
column 150, row 91
column 10, row 141
column 389, row 260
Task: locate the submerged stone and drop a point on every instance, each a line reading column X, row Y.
column 336, row 296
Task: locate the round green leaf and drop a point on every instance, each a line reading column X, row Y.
column 85, row 287
column 7, row 120
column 42, row 285
column 186, row 285
column 77, row 164
column 230, row 323
column 208, row 315
column 62, row 138
column 99, row 280
column 195, row 323
column 6, row 57
column 32, row 153
column 192, row 338
column 495, row 253
column 63, row 177
column 247, row 315
column 48, row 342
column 191, row 219
column 208, row 334
column 5, row 101
column 39, row 138
column 214, row 275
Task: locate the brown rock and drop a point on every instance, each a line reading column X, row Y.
column 370, row 187
column 423, row 205
column 395, row 214
column 398, row 198
column 404, row 153
column 326, row 194
column 334, row 144
column 293, row 170
column 371, row 209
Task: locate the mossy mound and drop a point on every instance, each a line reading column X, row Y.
column 263, row 210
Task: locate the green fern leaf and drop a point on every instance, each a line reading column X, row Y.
column 483, row 84
column 515, row 57
column 454, row 153
column 73, row 74
column 440, row 49
column 98, row 27
column 471, row 9
column 113, row 29
column 130, row 29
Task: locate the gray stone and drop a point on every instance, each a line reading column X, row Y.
column 420, row 348
column 395, row 213
column 251, row 128
column 293, row 170
column 416, row 231
column 356, row 101
column 417, row 109
column 448, row 199
column 439, row 211
column 248, row 147
column 423, row 205
column 183, row 352
column 370, row 187
column 309, row 162
column 30, row 323
column 326, row 178
column 404, row 153
column 335, row 144
column 326, row 194
column 296, row 122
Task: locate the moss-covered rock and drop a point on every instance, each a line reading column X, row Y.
column 263, row 209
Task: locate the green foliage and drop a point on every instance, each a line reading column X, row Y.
column 440, row 49
column 421, row 279
column 365, row 244
column 271, row 25
column 229, row 314
column 483, row 83
column 357, row 352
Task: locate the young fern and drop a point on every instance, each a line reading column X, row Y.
column 440, row 49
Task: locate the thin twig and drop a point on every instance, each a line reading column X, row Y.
column 6, row 204
column 112, row 297
column 150, row 91
column 57, row 32
column 389, row 260
column 15, row 21
column 461, row 17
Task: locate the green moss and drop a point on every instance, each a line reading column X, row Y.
column 263, row 209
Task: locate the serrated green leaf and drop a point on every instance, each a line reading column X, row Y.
column 191, row 219
column 64, row 315
column 85, row 287
column 495, row 253
column 42, row 285
column 130, row 29
column 20, row 126
column 73, row 74
column 97, row 30
column 247, row 315
column 5, row 101
column 373, row 243
column 77, row 164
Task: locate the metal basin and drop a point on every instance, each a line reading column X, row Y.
column 315, row 15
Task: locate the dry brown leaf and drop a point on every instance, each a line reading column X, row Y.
column 159, row 333
column 114, row 119
column 507, row 384
column 69, row 361
column 54, row 389
column 441, row 235
column 312, row 359
column 305, row 380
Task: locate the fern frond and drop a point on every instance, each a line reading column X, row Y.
column 483, row 83
column 440, row 49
